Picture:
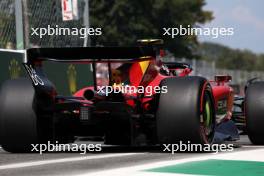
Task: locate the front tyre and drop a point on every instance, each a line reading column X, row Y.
column 186, row 112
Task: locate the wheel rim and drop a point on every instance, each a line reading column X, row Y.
column 207, row 114
column 206, row 120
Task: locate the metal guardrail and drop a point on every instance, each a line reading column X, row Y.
column 209, row 70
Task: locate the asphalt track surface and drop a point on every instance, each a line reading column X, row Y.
column 112, row 157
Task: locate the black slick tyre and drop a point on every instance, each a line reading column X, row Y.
column 254, row 111
column 186, row 112
column 19, row 127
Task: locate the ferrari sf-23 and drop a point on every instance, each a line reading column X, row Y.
column 161, row 104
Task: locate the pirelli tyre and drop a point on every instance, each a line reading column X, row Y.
column 254, row 111
column 19, row 122
column 186, row 112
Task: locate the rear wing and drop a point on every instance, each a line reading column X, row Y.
column 33, row 58
column 90, row 54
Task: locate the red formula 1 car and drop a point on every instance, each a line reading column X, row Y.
column 136, row 99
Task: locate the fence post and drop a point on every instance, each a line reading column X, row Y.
column 19, row 25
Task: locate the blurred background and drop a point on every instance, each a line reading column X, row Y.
column 124, row 21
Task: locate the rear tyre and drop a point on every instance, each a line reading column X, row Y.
column 19, row 121
column 186, row 112
column 254, row 111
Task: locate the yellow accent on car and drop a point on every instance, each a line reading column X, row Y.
column 144, row 65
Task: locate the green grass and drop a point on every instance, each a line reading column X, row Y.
column 216, row 168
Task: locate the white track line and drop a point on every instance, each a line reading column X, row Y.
column 12, row 51
column 251, row 155
column 64, row 160
column 253, row 146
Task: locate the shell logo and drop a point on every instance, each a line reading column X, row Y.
column 72, row 78
column 14, row 69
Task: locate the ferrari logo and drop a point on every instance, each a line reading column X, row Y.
column 72, row 74
column 14, row 69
